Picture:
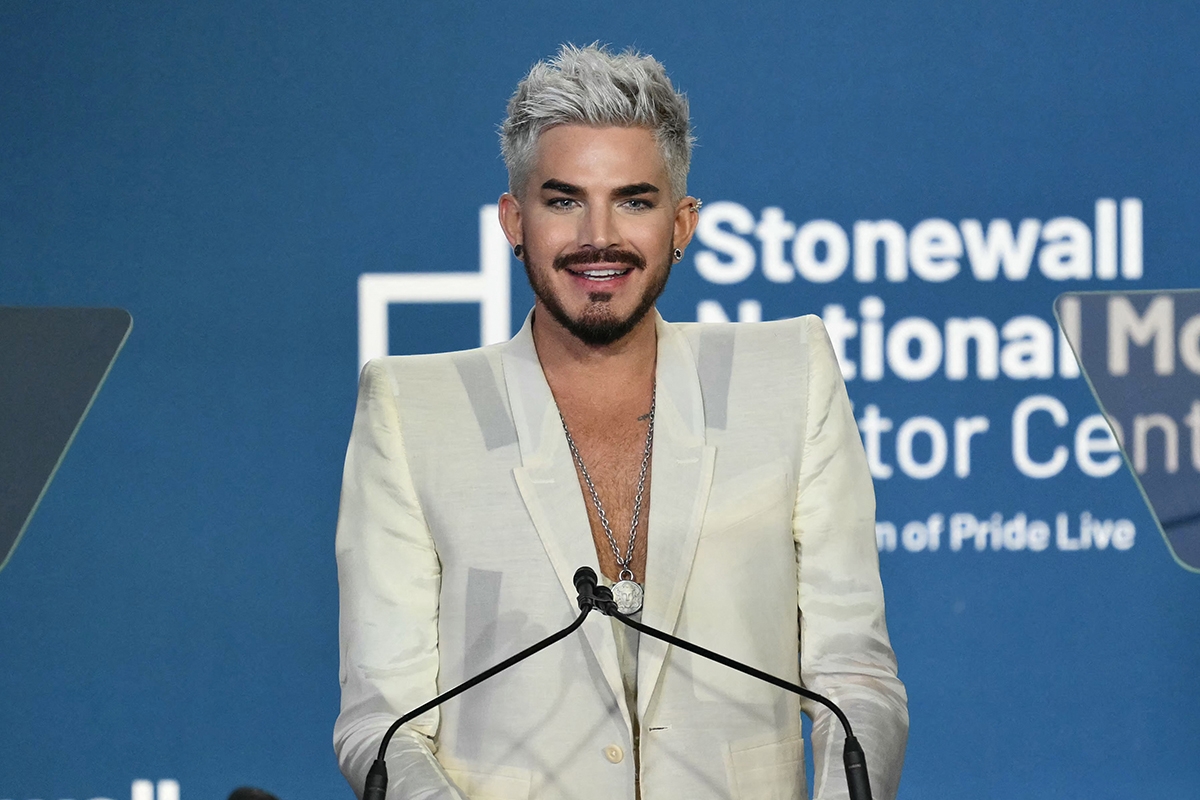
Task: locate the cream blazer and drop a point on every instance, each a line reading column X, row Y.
column 461, row 526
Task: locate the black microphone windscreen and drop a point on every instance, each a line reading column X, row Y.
column 585, row 576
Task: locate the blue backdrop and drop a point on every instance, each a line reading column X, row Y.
column 927, row 176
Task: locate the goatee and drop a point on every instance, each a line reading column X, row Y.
column 597, row 326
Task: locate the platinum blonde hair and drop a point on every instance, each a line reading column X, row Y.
column 594, row 86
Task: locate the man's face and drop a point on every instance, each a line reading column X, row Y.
column 598, row 228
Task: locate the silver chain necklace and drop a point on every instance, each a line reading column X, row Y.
column 626, row 592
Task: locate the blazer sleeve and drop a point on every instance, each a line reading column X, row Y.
column 845, row 653
column 389, row 578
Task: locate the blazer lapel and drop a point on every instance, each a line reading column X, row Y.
column 549, row 486
column 682, row 470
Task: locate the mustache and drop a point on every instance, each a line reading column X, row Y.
column 606, row 256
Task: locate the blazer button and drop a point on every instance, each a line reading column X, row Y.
column 614, row 754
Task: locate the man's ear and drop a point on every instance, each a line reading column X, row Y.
column 510, row 218
column 687, row 214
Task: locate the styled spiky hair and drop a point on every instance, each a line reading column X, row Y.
column 594, row 86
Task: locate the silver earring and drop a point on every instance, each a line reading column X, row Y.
column 678, row 254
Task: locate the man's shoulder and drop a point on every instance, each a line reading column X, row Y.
column 766, row 366
column 434, row 362
column 784, row 335
column 429, row 370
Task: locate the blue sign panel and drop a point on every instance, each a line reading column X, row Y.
column 277, row 193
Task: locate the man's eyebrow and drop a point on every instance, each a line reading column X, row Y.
column 634, row 189
column 563, row 187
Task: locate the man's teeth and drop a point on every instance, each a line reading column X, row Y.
column 602, row 274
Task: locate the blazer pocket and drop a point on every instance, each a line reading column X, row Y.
column 747, row 495
column 772, row 771
column 480, row 782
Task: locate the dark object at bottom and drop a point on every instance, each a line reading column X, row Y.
column 250, row 793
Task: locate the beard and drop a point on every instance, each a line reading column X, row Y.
column 597, row 326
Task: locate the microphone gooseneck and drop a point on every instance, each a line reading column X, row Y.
column 375, row 787
column 853, row 758
column 592, row 595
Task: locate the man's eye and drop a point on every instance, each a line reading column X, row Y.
column 560, row 202
column 638, row 204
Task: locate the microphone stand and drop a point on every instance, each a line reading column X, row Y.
column 593, row 596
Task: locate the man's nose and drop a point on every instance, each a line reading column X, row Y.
column 600, row 228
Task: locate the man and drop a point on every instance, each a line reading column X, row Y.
column 718, row 468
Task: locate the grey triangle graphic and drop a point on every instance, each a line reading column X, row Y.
column 1140, row 354
column 53, row 362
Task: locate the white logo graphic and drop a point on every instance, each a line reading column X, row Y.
column 490, row 287
column 145, row 790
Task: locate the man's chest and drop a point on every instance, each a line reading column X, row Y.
column 613, row 466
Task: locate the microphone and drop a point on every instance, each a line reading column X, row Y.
column 585, row 584
column 853, row 758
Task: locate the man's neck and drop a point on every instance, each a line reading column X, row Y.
column 595, row 375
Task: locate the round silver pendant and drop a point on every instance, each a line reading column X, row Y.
column 628, row 596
